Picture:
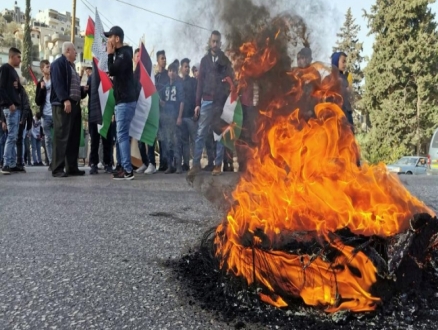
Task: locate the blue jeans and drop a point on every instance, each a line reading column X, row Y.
column 10, row 153
column 36, row 150
column 205, row 120
column 124, row 113
column 3, row 137
column 186, row 138
column 47, row 129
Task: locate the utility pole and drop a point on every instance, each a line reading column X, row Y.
column 73, row 22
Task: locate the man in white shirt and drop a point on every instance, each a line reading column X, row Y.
column 42, row 98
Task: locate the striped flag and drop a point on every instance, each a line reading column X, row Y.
column 89, row 39
column 233, row 116
column 102, row 100
column 144, row 125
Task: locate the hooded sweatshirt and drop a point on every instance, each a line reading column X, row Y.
column 346, row 104
column 120, row 67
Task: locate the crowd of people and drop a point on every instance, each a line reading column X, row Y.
column 191, row 100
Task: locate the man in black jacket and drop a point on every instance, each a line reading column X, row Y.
column 120, row 67
column 212, row 92
column 65, row 98
column 11, row 109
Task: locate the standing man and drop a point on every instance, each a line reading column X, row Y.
column 42, row 99
column 11, row 108
column 187, row 130
column 120, row 67
column 161, row 80
column 211, row 92
column 65, row 97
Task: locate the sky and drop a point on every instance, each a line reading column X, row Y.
column 179, row 40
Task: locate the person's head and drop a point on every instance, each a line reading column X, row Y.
column 339, row 60
column 185, row 67
column 88, row 70
column 195, row 71
column 304, row 57
column 161, row 59
column 115, row 35
column 172, row 71
column 136, row 56
column 45, row 67
column 38, row 115
column 69, row 51
column 176, row 61
column 14, row 57
column 215, row 41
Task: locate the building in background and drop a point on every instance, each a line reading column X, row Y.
column 15, row 13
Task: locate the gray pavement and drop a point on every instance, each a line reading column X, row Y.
column 90, row 253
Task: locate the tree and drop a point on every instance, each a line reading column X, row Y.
column 349, row 44
column 8, row 18
column 401, row 79
column 27, row 45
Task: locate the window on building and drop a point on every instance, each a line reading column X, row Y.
column 33, row 35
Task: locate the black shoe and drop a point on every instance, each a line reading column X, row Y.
column 50, row 167
column 162, row 168
column 118, row 169
column 108, row 169
column 208, row 168
column 20, row 169
column 6, row 170
column 185, row 167
column 123, row 175
column 40, row 164
column 60, row 175
column 93, row 170
column 76, row 173
column 228, row 168
column 170, row 170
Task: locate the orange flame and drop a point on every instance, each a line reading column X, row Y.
column 303, row 177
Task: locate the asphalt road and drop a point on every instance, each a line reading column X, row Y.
column 90, row 253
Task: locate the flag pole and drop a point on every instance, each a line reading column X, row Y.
column 73, row 23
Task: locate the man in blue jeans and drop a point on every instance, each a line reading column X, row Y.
column 120, row 67
column 211, row 93
column 10, row 107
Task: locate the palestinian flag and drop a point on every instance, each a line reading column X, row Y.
column 233, row 116
column 144, row 125
column 102, row 99
column 89, row 39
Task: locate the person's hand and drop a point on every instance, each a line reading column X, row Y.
column 67, row 106
column 110, row 47
column 12, row 107
column 15, row 84
column 4, row 126
column 86, row 88
column 43, row 84
column 197, row 110
column 179, row 121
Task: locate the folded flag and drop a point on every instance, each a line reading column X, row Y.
column 232, row 115
column 89, row 39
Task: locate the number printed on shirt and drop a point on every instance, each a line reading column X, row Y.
column 171, row 93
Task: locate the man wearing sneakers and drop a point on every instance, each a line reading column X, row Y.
column 120, row 67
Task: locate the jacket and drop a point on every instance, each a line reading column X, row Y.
column 210, row 85
column 8, row 93
column 345, row 85
column 60, row 72
column 120, row 67
column 190, row 85
column 40, row 95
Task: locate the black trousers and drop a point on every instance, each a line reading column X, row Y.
column 19, row 144
column 66, row 138
column 106, row 143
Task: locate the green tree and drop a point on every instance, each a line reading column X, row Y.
column 8, row 18
column 349, row 43
column 401, row 79
column 27, row 44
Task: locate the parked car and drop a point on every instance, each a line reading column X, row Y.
column 432, row 157
column 409, row 165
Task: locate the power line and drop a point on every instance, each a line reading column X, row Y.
column 100, row 13
column 165, row 16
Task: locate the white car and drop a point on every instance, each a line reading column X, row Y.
column 409, row 165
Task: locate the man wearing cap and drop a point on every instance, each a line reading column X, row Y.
column 65, row 98
column 304, row 57
column 120, row 67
